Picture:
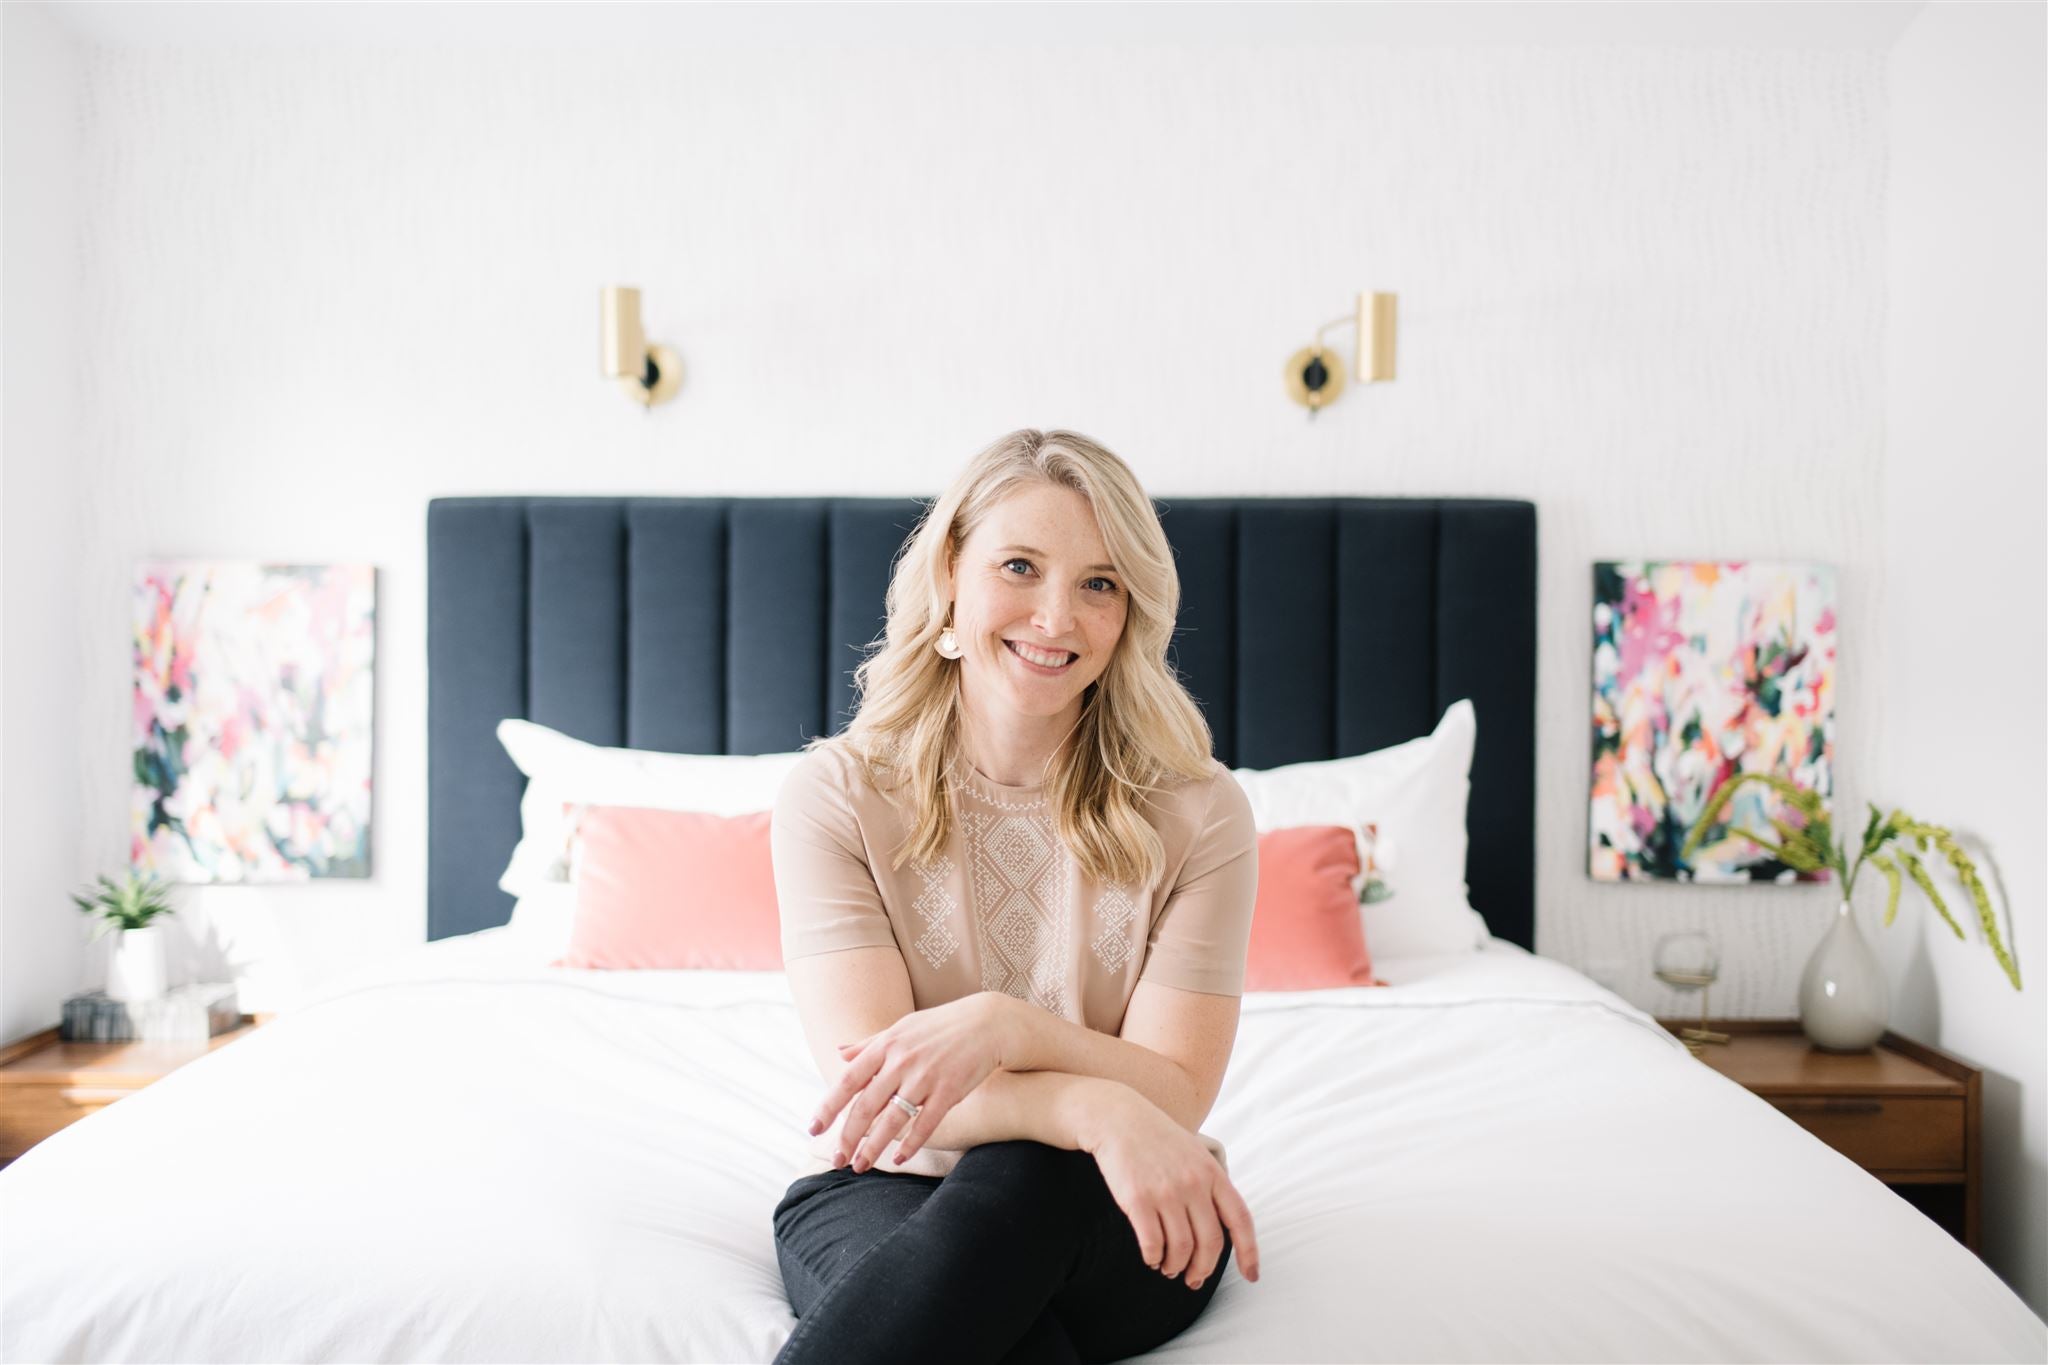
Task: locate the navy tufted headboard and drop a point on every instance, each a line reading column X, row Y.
column 1310, row 628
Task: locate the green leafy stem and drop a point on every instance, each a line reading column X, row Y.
column 1810, row 846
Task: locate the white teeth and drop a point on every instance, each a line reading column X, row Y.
column 1039, row 657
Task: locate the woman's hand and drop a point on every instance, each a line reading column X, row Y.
column 1168, row 1184
column 934, row 1058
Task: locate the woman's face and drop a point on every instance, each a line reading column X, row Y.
column 1034, row 577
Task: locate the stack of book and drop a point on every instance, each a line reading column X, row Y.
column 197, row 1011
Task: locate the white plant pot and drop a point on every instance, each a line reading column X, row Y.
column 135, row 971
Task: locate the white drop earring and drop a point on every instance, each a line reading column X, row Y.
column 948, row 644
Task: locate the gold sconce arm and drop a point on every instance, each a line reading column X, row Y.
column 649, row 372
column 1316, row 374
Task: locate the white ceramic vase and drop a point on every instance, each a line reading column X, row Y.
column 1843, row 999
column 135, row 971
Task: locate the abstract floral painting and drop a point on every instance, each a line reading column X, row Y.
column 1702, row 670
column 252, row 724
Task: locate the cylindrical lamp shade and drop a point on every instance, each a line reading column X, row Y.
column 622, row 343
column 1375, row 338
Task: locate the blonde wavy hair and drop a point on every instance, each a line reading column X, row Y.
column 1139, row 729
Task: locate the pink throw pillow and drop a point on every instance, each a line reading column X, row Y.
column 672, row 889
column 1306, row 930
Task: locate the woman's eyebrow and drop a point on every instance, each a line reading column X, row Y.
column 1026, row 549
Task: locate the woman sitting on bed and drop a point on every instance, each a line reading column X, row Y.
column 1016, row 894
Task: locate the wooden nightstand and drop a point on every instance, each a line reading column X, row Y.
column 1907, row 1113
column 46, row 1083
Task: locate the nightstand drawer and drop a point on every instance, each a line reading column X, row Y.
column 1883, row 1134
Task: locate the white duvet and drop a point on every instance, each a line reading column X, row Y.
column 472, row 1157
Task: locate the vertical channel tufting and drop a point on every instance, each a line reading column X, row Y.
column 676, row 617
column 1203, row 534
column 775, row 673
column 1386, row 624
column 867, row 535
column 1487, row 636
column 828, row 587
column 578, row 618
column 1286, row 709
column 1432, row 553
column 476, row 676
column 624, row 678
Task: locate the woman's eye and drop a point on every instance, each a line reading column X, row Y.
column 1097, row 584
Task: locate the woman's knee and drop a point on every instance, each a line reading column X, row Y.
column 828, row 1221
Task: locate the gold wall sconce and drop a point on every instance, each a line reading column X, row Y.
column 1315, row 373
column 649, row 372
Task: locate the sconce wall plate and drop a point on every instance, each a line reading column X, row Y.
column 1315, row 376
column 659, row 379
column 649, row 372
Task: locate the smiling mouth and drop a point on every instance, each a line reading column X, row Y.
column 1049, row 660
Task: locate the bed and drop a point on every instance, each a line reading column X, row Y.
column 465, row 1154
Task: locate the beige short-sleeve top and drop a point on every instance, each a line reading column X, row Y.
column 1005, row 907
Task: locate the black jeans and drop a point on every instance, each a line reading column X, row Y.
column 1020, row 1254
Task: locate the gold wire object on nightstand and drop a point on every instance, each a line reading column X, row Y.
column 1695, row 1038
column 1690, row 962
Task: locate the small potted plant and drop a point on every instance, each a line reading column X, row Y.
column 128, row 908
column 1843, row 1000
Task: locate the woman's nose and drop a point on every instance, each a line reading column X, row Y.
column 1055, row 614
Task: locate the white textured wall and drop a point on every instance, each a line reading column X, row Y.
column 1965, row 483
column 1642, row 286
column 40, row 643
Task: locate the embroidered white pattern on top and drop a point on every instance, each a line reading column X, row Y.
column 1017, row 871
column 1114, row 911
column 937, row 907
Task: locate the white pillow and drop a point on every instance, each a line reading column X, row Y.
column 543, row 918
column 560, row 768
column 1415, row 794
